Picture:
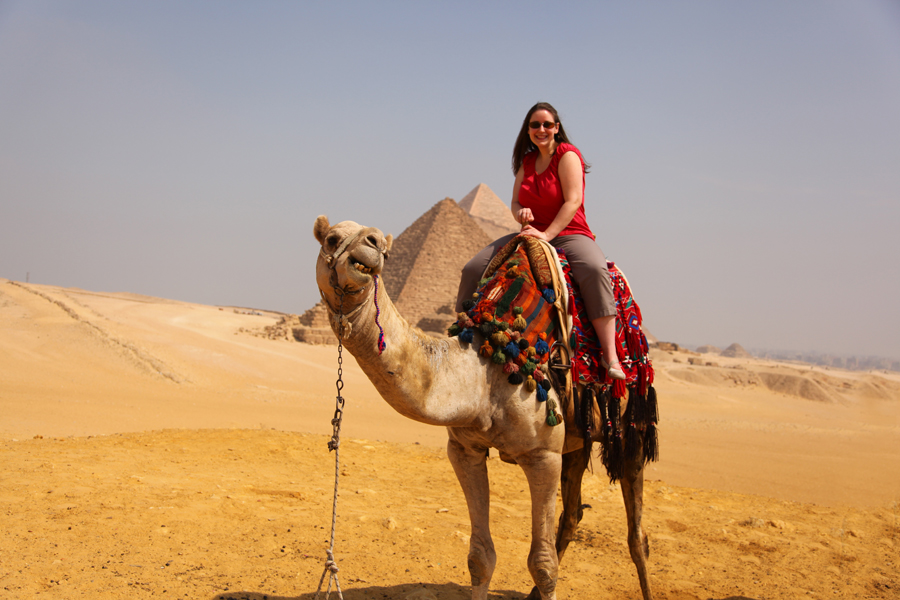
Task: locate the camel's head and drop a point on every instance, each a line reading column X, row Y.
column 351, row 254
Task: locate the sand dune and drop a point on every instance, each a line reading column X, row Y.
column 154, row 448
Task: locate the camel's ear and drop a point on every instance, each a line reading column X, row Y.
column 387, row 243
column 320, row 229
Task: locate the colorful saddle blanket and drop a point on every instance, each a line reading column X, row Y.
column 513, row 310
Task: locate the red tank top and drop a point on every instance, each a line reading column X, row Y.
column 542, row 193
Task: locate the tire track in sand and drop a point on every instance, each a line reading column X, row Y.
column 142, row 357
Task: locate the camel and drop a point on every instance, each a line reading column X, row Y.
column 445, row 382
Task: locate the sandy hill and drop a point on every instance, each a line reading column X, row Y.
column 489, row 211
column 154, row 448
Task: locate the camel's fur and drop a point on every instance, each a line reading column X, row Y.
column 445, row 382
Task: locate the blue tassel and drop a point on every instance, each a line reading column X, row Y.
column 467, row 335
column 541, row 347
column 541, row 394
column 549, row 295
column 512, row 350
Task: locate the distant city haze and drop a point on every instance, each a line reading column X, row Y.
column 744, row 155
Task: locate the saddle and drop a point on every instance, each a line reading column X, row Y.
column 531, row 322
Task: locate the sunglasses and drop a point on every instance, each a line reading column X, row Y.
column 537, row 125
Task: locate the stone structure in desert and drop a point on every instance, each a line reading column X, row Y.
column 489, row 211
column 735, row 351
column 421, row 276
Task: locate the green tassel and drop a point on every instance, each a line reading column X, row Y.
column 454, row 330
column 498, row 357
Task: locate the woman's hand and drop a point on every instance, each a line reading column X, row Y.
column 524, row 216
column 535, row 233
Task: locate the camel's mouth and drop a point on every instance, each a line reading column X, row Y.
column 361, row 267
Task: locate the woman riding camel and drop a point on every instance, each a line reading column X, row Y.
column 548, row 201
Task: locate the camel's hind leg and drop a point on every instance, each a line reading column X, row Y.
column 638, row 544
column 573, row 466
column 471, row 470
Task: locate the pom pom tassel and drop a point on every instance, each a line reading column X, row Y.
column 541, row 393
column 467, row 335
column 530, row 384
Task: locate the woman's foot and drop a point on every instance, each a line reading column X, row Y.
column 615, row 370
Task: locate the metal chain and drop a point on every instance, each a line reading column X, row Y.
column 331, row 568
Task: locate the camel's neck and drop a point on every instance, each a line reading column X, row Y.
column 422, row 378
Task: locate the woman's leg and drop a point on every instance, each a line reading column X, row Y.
column 606, row 333
column 588, row 264
column 474, row 269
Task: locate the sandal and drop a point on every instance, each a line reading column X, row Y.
column 615, row 370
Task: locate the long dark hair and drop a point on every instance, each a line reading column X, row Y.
column 524, row 144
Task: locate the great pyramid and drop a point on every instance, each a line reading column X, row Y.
column 422, row 274
column 489, row 211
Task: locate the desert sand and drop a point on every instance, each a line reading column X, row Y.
column 154, row 448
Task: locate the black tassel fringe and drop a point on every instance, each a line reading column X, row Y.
column 612, row 449
column 633, row 443
column 586, row 418
column 651, row 441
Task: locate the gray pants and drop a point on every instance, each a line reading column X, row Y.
column 586, row 259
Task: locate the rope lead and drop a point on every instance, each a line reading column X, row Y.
column 331, row 569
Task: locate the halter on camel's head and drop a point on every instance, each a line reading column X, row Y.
column 351, row 257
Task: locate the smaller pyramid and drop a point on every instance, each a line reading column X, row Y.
column 709, row 350
column 314, row 326
column 736, row 351
column 489, row 211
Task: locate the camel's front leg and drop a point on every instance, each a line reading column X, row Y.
column 471, row 470
column 542, row 469
column 638, row 544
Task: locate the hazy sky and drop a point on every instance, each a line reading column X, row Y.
column 746, row 155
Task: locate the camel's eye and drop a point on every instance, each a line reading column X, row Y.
column 332, row 240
